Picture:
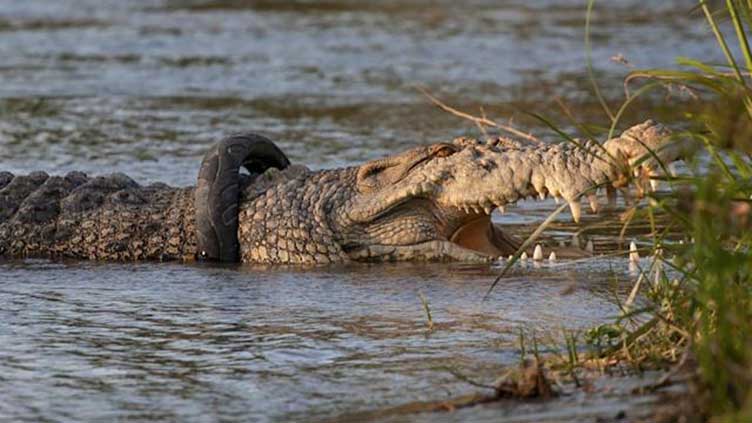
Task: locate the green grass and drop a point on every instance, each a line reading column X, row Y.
column 703, row 304
column 707, row 304
column 697, row 293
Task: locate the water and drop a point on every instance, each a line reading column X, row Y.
column 144, row 87
column 85, row 341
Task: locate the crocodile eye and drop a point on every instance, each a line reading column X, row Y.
column 444, row 150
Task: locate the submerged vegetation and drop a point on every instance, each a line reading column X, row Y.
column 696, row 316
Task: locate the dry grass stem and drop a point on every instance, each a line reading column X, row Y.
column 479, row 121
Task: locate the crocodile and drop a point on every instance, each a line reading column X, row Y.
column 430, row 202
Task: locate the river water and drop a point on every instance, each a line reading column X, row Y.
column 145, row 86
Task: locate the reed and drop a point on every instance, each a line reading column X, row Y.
column 695, row 293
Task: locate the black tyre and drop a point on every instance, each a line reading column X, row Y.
column 218, row 191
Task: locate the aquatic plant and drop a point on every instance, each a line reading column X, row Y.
column 697, row 311
column 690, row 309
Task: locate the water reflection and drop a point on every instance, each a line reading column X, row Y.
column 177, row 341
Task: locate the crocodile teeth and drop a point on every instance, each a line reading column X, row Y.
column 589, row 246
column 556, row 199
column 502, row 209
column 634, row 256
column 552, row 256
column 542, row 195
column 654, row 185
column 593, row 199
column 487, row 209
column 427, row 187
column 640, row 189
column 576, row 209
column 538, row 253
column 523, row 256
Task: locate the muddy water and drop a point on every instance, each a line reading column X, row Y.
column 144, row 86
column 85, row 341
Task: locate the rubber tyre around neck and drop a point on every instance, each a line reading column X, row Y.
column 218, row 191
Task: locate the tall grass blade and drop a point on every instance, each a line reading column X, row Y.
column 589, row 61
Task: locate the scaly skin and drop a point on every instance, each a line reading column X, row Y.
column 103, row 218
column 428, row 203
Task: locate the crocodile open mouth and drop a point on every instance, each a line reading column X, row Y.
column 482, row 236
column 477, row 232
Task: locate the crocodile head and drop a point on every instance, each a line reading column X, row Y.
column 435, row 202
